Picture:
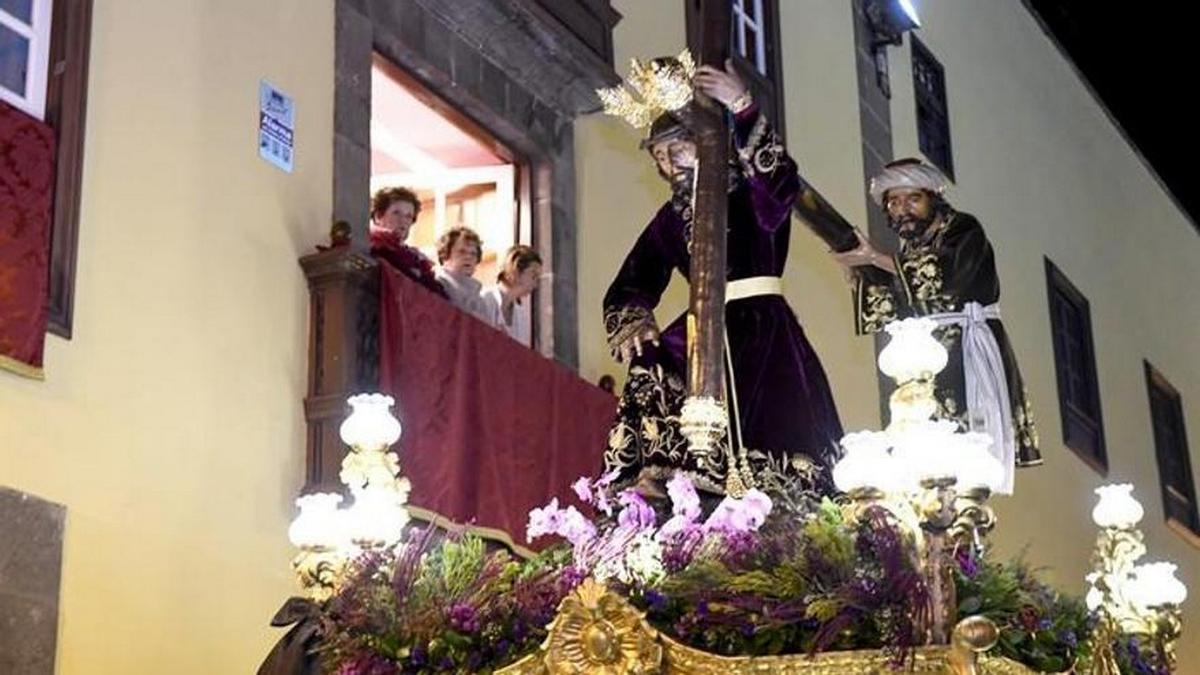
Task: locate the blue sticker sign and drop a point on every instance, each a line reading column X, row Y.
column 276, row 126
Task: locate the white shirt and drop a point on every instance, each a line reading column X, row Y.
column 521, row 326
column 466, row 293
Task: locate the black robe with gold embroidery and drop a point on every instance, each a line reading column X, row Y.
column 940, row 272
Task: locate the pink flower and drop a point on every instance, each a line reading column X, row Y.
column 758, row 506
column 583, row 489
column 636, row 514
column 543, row 521
column 602, row 503
column 575, row 527
column 595, row 492
column 676, row 525
column 685, row 502
column 567, row 523
column 740, row 515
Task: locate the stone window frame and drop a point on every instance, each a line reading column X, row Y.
column 1075, row 369
column 488, row 60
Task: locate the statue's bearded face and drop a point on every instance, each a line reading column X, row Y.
column 910, row 211
column 676, row 161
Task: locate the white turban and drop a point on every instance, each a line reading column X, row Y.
column 907, row 174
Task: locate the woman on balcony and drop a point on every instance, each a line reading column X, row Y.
column 393, row 212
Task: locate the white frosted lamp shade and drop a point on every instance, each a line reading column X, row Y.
column 926, row 451
column 977, row 466
column 1117, row 507
column 1155, row 585
column 866, row 464
column 318, row 524
column 371, row 423
column 377, row 518
column 912, row 352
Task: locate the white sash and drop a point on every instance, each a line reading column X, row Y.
column 989, row 408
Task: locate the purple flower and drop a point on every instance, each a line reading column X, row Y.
column 595, row 492
column 679, row 548
column 463, row 618
column 418, row 655
column 602, row 503
column 740, row 515
column 655, row 601
column 583, row 490
column 368, row 663
column 635, row 514
column 569, row 578
column 543, row 521
column 758, row 504
column 967, row 563
column 737, row 546
column 568, row 523
column 685, row 503
column 575, row 527
column 675, row 525
column 602, row 486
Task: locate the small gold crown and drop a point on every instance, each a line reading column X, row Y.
column 662, row 85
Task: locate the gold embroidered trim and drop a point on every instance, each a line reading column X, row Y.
column 763, row 150
column 623, row 324
column 877, row 308
column 1027, row 435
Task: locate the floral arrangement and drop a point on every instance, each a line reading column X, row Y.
column 449, row 606
column 1039, row 627
column 753, row 577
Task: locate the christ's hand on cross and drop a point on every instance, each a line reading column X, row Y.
column 724, row 86
column 634, row 345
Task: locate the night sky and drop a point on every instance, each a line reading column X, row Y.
column 1140, row 58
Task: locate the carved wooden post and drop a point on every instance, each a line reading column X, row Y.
column 343, row 353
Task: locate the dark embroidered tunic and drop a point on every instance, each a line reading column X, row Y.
column 940, row 272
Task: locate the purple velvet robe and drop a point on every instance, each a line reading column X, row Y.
column 784, row 404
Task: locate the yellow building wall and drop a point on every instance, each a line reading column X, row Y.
column 1048, row 174
column 171, row 425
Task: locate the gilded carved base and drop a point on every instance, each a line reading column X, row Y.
column 597, row 631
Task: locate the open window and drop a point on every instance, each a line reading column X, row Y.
column 463, row 175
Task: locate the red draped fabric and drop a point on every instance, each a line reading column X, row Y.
column 492, row 429
column 26, row 200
